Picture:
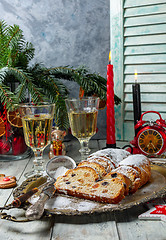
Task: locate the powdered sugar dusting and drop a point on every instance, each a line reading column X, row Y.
column 63, row 203
column 117, row 155
column 86, row 206
column 136, row 160
column 60, row 172
column 60, row 202
column 125, row 169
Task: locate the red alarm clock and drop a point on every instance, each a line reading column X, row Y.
column 151, row 136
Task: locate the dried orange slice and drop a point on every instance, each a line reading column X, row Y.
column 2, row 127
column 14, row 118
column 81, row 92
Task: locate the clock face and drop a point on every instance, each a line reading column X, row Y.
column 150, row 141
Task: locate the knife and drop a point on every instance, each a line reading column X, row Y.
column 23, row 198
column 36, row 210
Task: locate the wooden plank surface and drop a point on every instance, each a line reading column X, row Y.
column 145, row 40
column 153, row 97
column 147, row 68
column 145, row 49
column 129, row 227
column 145, row 78
column 30, row 230
column 145, row 30
column 145, row 88
column 11, row 168
column 145, row 10
column 130, row 118
column 138, row 3
column 145, row 20
column 145, row 59
column 86, row 230
column 36, row 230
column 123, row 225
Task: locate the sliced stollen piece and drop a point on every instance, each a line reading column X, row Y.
column 104, row 191
column 75, row 178
column 79, row 176
column 132, row 174
column 126, row 181
column 97, row 166
column 141, row 163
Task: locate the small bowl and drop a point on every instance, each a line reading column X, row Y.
column 58, row 166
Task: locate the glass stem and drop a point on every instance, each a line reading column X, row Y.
column 38, row 161
column 84, row 149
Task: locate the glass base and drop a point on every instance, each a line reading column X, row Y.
column 85, row 151
column 84, row 154
column 11, row 157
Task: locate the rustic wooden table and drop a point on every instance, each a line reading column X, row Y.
column 123, row 225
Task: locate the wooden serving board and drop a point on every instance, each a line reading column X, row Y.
column 67, row 205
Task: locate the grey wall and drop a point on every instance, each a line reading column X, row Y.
column 65, row 32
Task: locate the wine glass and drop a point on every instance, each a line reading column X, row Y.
column 82, row 115
column 37, row 125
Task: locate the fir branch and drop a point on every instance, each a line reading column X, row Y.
column 12, row 30
column 44, row 84
column 47, row 81
column 7, row 97
column 91, row 83
column 61, row 117
column 14, row 50
column 3, row 74
column 3, row 28
column 20, row 92
column 24, row 77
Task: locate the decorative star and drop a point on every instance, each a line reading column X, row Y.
column 160, row 209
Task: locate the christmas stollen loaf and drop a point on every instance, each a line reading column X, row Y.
column 106, row 176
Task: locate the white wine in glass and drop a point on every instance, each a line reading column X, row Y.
column 82, row 115
column 37, row 125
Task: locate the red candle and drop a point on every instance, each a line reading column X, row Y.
column 111, row 141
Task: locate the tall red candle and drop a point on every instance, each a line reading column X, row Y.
column 111, row 141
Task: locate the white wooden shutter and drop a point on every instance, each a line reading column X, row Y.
column 142, row 44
